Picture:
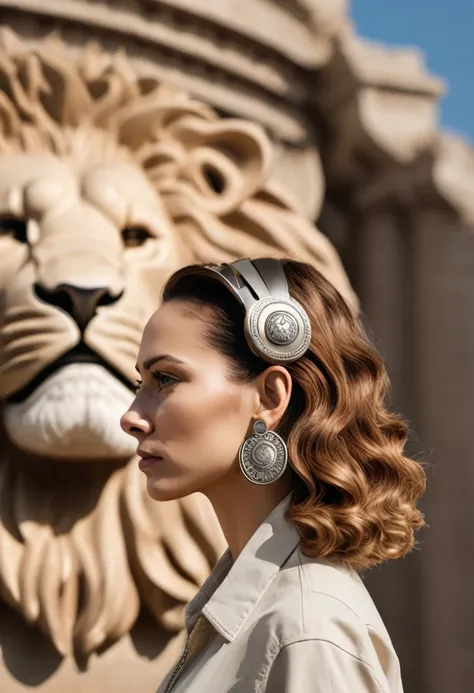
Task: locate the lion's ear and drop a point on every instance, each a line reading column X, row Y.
column 226, row 163
column 215, row 166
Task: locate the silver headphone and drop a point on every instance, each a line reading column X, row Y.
column 277, row 327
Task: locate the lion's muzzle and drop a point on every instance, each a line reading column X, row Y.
column 80, row 303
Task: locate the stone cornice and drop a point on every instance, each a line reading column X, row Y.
column 263, row 28
column 152, row 23
column 379, row 107
column 442, row 175
column 301, row 30
column 383, row 143
column 373, row 64
column 294, row 66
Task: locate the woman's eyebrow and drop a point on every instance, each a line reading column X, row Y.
column 160, row 357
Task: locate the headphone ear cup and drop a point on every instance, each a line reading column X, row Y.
column 278, row 330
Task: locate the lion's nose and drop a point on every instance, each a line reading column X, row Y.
column 81, row 304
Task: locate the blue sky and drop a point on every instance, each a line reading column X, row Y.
column 444, row 30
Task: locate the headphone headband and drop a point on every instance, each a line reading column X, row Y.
column 277, row 328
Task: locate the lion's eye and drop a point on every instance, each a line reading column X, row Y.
column 134, row 236
column 16, row 228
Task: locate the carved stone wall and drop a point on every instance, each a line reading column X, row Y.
column 108, row 183
column 355, row 127
column 249, row 58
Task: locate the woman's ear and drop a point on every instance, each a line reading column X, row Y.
column 274, row 389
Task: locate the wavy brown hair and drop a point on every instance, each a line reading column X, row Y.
column 354, row 492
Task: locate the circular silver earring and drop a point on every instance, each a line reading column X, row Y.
column 263, row 455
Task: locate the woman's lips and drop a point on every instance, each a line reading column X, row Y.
column 146, row 462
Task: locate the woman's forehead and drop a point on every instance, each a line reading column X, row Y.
column 177, row 330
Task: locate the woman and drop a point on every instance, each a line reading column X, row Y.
column 260, row 390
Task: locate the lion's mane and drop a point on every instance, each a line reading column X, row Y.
column 83, row 547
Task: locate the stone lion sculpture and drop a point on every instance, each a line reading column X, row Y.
column 108, row 182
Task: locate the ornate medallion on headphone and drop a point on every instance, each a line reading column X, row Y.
column 279, row 329
column 263, row 455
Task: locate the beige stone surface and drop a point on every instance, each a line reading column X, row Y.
column 108, row 182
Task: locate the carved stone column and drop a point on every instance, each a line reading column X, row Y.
column 381, row 269
column 415, row 279
column 443, row 252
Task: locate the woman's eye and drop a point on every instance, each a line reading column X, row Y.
column 164, row 380
column 161, row 379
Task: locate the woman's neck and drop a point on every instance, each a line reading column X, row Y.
column 241, row 507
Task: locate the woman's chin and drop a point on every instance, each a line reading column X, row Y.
column 157, row 492
column 179, row 485
column 161, row 491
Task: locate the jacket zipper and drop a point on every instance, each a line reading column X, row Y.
column 189, row 649
column 179, row 666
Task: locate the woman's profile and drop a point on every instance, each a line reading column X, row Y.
column 260, row 390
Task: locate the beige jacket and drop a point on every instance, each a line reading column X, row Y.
column 275, row 621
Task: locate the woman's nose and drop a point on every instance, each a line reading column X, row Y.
column 135, row 425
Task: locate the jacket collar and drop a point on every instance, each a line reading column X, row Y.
column 233, row 589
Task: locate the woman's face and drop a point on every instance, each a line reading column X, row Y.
column 187, row 415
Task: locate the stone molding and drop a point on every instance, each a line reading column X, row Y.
column 383, row 144
column 442, row 175
column 294, row 66
column 379, row 108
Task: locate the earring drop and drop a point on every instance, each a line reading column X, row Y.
column 263, row 455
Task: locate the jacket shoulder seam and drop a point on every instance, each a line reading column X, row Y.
column 332, row 596
column 294, row 641
column 361, row 620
